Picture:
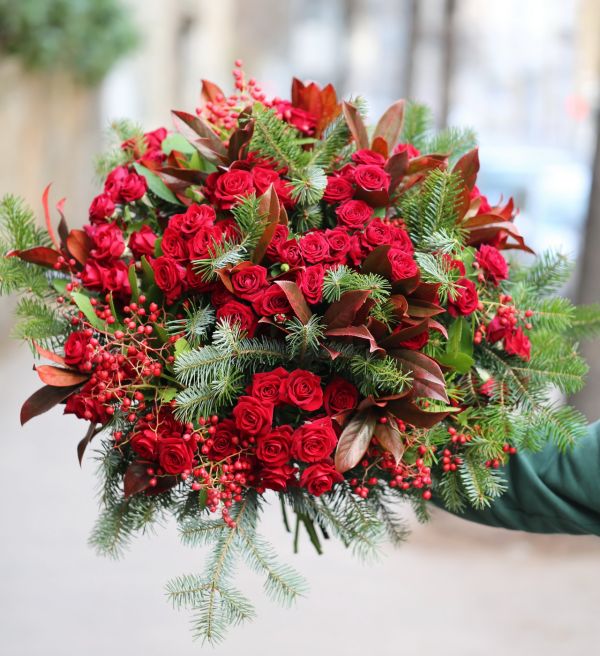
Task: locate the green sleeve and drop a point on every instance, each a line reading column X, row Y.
column 549, row 491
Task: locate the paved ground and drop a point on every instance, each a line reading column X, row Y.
column 465, row 589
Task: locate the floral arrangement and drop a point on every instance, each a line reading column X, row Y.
column 275, row 301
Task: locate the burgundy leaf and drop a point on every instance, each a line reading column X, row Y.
column 343, row 312
column 377, row 261
column 210, row 91
column 359, row 332
column 269, row 207
column 296, row 299
column 40, row 255
column 419, row 308
column 396, row 338
column 44, row 353
column 397, row 166
column 379, row 145
column 409, row 412
column 468, row 167
column 79, row 245
column 390, row 124
column 390, row 438
column 354, row 441
column 58, row 377
column 239, row 141
column 136, row 479
column 356, row 125
column 82, row 446
column 44, row 399
column 428, row 379
column 209, row 143
column 45, row 205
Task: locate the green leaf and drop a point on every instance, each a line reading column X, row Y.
column 156, row 185
column 60, row 284
column 459, row 350
column 177, row 142
column 84, row 304
column 181, row 346
column 133, row 282
column 166, row 394
column 147, row 272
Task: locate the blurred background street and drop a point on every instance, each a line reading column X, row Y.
column 526, row 75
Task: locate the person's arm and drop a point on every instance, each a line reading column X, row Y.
column 549, row 492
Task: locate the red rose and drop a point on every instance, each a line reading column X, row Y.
column 169, row 277
column 239, row 313
column 416, row 343
column 273, row 301
column 356, row 252
column 454, row 264
column 225, row 440
column 248, row 282
column 195, row 217
column 339, row 244
column 409, row 149
column 195, row 281
column 221, row 295
column 278, row 478
column 116, row 279
column 76, row 351
column 231, row 185
column 144, row 444
column 301, row 119
column 174, row 244
column 94, row 275
column 284, row 190
column 303, row 389
column 253, row 416
column 155, row 138
column 402, row 263
column 310, row 281
column 279, row 237
column 338, row 189
column 484, row 206
column 354, row 214
column 175, row 455
column 320, row 478
column 274, row 447
column 518, row 344
column 85, row 407
column 290, row 253
column 114, row 181
column 203, row 241
column 141, row 242
column 340, row 395
column 372, row 178
column 314, row 247
column 467, row 300
column 227, row 229
column 490, row 259
column 102, row 208
column 377, row 233
column 107, row 241
column 263, row 178
column 133, row 187
column 267, row 386
column 496, row 330
column 366, row 156
column 401, row 239
column 314, row 441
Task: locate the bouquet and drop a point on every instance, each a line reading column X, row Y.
column 275, row 302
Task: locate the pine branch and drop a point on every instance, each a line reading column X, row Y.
column 303, row 339
column 276, row 140
column 417, row 124
column 547, row 275
column 196, row 324
column 454, row 141
column 342, row 279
